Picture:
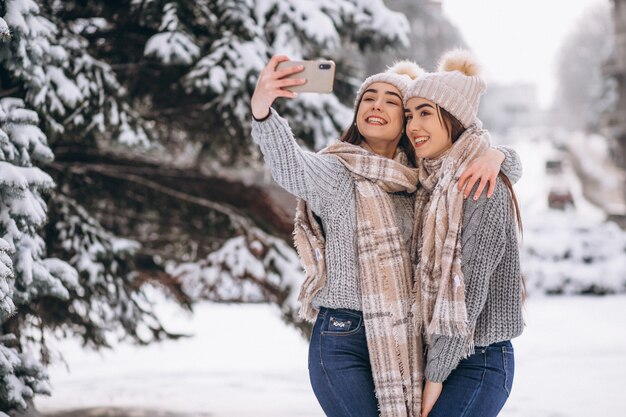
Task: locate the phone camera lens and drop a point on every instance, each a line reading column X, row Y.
column 324, row 66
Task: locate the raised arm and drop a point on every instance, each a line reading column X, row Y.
column 318, row 179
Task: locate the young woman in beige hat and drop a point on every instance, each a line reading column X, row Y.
column 469, row 287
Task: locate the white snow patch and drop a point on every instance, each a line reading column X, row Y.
column 243, row 361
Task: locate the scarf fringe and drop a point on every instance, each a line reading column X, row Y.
column 309, row 243
column 444, row 327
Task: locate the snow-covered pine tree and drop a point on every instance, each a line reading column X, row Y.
column 205, row 57
column 76, row 96
column 22, row 214
column 49, row 82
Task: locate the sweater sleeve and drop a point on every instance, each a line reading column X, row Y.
column 483, row 245
column 512, row 165
column 318, row 179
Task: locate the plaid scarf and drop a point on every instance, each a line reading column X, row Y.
column 439, row 283
column 394, row 344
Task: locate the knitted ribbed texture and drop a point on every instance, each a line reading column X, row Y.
column 491, row 270
column 456, row 92
column 401, row 82
column 399, row 75
column 328, row 187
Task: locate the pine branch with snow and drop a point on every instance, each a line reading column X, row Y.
column 173, row 44
column 21, row 376
column 255, row 267
column 110, row 300
column 23, row 212
column 7, row 307
column 70, row 90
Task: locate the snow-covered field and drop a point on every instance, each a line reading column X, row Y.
column 243, row 361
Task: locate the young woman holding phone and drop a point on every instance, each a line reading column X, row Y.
column 354, row 225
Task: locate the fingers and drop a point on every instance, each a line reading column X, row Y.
column 471, row 181
column 492, row 186
column 462, row 179
column 275, row 60
column 290, row 82
column 286, row 94
column 481, row 186
column 270, row 68
column 285, row 72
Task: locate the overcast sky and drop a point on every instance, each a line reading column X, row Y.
column 518, row 40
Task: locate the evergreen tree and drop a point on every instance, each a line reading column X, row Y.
column 22, row 213
column 49, row 82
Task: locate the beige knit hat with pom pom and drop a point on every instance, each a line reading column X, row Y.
column 400, row 75
column 456, row 86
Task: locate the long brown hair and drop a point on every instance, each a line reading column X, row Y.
column 455, row 130
column 353, row 136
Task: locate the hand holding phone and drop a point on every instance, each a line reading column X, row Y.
column 284, row 78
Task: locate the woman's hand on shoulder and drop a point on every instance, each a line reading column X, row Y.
column 484, row 169
column 270, row 86
column 432, row 391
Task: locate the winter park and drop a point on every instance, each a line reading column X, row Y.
column 147, row 257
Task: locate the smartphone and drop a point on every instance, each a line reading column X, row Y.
column 320, row 76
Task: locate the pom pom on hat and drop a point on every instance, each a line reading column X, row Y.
column 456, row 86
column 460, row 60
column 406, row 67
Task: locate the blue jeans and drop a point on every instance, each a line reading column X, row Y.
column 339, row 365
column 480, row 384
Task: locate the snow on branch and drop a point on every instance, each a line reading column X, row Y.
column 7, row 306
column 250, row 268
column 173, row 44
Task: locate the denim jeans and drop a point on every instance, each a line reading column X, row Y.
column 480, row 384
column 339, row 365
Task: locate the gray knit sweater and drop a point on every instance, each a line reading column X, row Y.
column 328, row 188
column 491, row 270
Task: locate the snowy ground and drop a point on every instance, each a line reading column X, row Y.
column 243, row 361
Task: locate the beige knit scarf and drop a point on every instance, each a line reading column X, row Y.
column 439, row 284
column 384, row 266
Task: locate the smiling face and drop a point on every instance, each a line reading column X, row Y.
column 380, row 116
column 426, row 129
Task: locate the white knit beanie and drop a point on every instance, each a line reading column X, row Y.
column 400, row 75
column 456, row 86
